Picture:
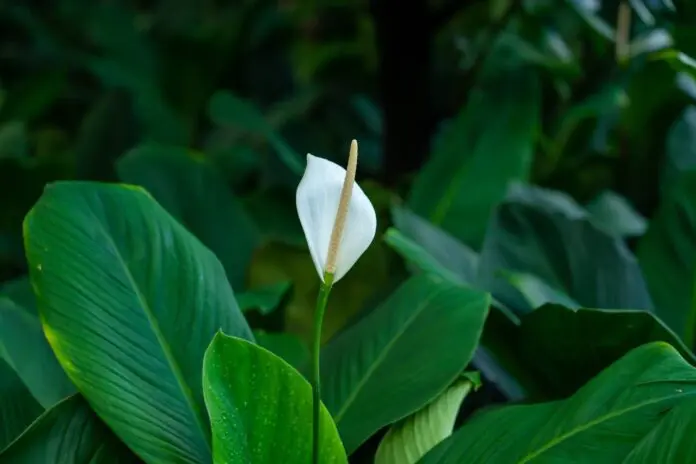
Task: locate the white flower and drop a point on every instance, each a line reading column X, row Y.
column 318, row 197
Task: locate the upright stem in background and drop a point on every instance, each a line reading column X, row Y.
column 623, row 33
column 322, row 299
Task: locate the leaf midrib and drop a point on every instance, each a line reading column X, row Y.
column 166, row 350
column 559, row 439
column 381, row 357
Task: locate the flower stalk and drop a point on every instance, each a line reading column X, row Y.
column 332, row 256
column 322, row 300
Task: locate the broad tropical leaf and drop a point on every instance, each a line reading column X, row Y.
column 681, row 149
column 564, row 348
column 671, row 441
column 228, row 110
column 386, row 358
column 27, row 351
column 18, row 408
column 536, row 292
column 488, row 145
column 406, row 442
column 604, row 422
column 488, row 357
column 667, row 255
column 187, row 185
column 450, row 253
column 616, row 215
column 261, row 408
column 129, row 301
column 69, row 432
column 545, row 233
column 417, row 257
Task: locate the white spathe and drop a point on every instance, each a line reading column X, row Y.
column 317, row 203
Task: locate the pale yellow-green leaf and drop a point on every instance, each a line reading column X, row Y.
column 407, row 441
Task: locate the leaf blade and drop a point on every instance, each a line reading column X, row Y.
column 363, row 366
column 261, row 410
column 604, row 421
column 129, row 303
column 68, row 432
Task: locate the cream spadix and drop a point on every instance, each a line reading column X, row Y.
column 353, row 227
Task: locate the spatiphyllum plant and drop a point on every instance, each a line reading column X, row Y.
column 339, row 223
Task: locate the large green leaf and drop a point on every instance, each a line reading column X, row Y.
column 604, row 422
column 667, row 255
column 19, row 291
column 564, row 348
column 672, row 441
column 407, row 441
column 70, row 432
column 535, row 291
column 129, row 301
column 226, row 109
column 450, row 253
column 190, row 189
column 487, row 358
column 547, row 234
column 261, row 408
column 18, row 408
column 27, row 351
column 401, row 355
column 418, row 258
column 681, row 148
column 616, row 215
column 489, row 144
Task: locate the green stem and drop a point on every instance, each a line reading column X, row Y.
column 322, row 299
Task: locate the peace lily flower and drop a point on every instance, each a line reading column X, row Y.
column 338, row 220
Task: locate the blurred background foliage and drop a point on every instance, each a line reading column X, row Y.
column 212, row 105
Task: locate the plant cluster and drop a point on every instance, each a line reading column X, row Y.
column 179, row 284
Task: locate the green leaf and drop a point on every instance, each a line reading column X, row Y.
column 677, row 60
column 18, row 408
column 535, row 291
column 447, row 251
column 382, row 360
column 554, row 344
column 604, row 422
column 408, row 441
column 614, row 213
column 70, row 432
column 671, row 441
column 547, row 234
column 681, row 149
column 266, row 299
column 261, row 408
column 20, row 292
column 228, row 110
column 418, row 257
column 190, row 189
column 655, row 40
column 489, row 144
column 487, row 357
column 610, row 98
column 285, row 345
column 667, row 255
column 129, row 301
column 27, row 351
column 587, row 10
